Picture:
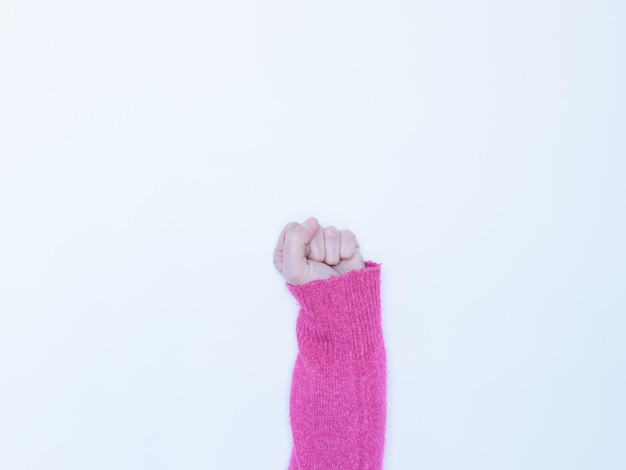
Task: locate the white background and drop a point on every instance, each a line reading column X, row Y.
column 151, row 152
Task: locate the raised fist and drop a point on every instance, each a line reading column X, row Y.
column 307, row 252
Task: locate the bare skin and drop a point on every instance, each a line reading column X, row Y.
column 307, row 252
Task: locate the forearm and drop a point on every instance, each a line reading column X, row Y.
column 338, row 394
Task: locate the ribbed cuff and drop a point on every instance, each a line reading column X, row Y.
column 340, row 316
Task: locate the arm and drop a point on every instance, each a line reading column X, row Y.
column 338, row 393
column 338, row 390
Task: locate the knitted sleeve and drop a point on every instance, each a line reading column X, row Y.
column 338, row 392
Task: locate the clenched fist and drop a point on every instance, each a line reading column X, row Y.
column 307, row 252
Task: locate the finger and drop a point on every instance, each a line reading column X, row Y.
column 332, row 246
column 348, row 244
column 278, row 251
column 281, row 237
column 295, row 248
column 317, row 252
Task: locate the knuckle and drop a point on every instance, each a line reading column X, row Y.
column 287, row 228
column 331, row 231
column 292, row 236
column 348, row 235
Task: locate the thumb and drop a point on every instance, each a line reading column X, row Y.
column 295, row 250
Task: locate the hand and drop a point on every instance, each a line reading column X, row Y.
column 307, row 252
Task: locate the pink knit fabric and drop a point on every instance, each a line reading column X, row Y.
column 338, row 392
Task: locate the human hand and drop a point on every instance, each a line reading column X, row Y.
column 307, row 252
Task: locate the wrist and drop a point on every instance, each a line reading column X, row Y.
column 340, row 315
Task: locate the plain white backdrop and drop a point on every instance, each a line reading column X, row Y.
column 151, row 152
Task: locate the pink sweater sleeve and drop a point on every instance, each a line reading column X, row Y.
column 338, row 392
